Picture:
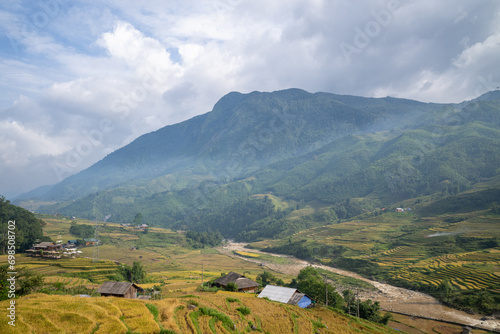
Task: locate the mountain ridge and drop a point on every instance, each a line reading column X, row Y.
column 299, row 146
column 231, row 112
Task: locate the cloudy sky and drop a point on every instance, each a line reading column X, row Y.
column 79, row 79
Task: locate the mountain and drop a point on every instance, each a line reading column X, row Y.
column 241, row 134
column 342, row 154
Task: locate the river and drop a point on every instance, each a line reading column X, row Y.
column 391, row 298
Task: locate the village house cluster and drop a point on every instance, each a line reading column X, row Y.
column 245, row 285
column 51, row 250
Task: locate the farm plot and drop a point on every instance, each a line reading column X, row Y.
column 401, row 255
column 462, row 277
column 68, row 281
column 79, row 267
column 247, row 254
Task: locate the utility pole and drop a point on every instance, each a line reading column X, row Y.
column 348, row 303
column 202, row 275
column 96, row 245
column 357, row 299
column 326, row 291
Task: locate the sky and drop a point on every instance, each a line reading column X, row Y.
column 80, row 79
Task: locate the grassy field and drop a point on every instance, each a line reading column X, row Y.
column 212, row 313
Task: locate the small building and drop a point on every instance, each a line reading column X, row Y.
column 400, row 210
column 90, row 242
column 244, row 284
column 47, row 246
column 286, row 295
column 73, row 242
column 466, row 330
column 119, row 289
column 46, row 249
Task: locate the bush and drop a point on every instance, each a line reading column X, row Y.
column 193, row 302
column 244, row 310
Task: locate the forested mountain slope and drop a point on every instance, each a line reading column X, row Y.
column 341, row 155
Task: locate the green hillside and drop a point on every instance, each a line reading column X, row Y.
column 327, row 157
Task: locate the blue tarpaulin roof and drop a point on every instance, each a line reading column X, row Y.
column 304, row 302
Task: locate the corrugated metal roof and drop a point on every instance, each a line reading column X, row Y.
column 278, row 293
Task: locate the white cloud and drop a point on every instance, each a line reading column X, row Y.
column 122, row 68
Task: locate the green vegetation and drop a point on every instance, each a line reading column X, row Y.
column 319, row 168
column 366, row 309
column 81, row 231
column 244, row 310
column 226, row 321
column 202, row 239
column 19, row 228
column 134, row 274
column 25, row 282
column 268, row 278
column 322, row 184
column 312, row 284
column 412, row 251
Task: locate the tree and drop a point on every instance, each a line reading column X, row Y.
column 312, row 284
column 231, row 286
column 267, row 278
column 370, row 310
column 26, row 282
column 202, row 239
column 137, row 219
column 24, row 224
column 134, row 274
column 448, row 292
column 82, row 231
column 138, row 272
column 367, row 309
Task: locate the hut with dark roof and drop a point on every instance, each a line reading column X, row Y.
column 119, row 289
column 244, row 284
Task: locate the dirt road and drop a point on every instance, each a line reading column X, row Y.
column 391, row 298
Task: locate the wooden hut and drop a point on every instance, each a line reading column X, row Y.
column 244, row 284
column 119, row 289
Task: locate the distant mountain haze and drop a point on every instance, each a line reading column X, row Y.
column 293, row 145
column 249, row 130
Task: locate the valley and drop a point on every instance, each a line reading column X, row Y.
column 393, row 200
column 177, row 269
column 391, row 298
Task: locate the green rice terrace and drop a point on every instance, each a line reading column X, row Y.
column 424, row 253
column 70, row 272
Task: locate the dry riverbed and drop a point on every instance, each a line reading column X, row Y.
column 391, row 298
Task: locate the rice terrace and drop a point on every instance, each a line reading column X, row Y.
column 176, row 270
